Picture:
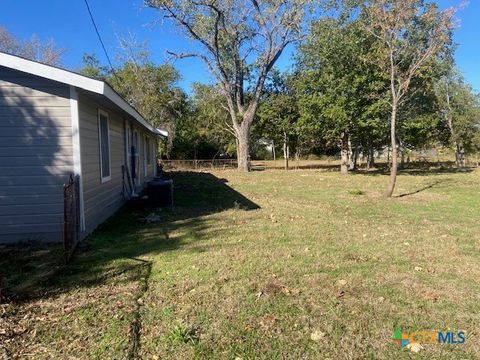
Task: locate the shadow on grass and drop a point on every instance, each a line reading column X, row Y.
column 114, row 249
column 416, row 169
column 430, row 186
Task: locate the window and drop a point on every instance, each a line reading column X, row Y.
column 104, row 140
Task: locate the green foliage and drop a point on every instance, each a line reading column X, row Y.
column 206, row 131
column 91, row 67
column 150, row 88
column 459, row 109
column 181, row 334
column 278, row 113
column 339, row 92
column 356, row 192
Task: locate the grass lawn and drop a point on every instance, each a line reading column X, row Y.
column 268, row 265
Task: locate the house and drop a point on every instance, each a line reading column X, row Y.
column 54, row 123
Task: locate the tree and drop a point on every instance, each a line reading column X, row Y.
column 207, row 130
column 241, row 40
column 338, row 89
column 92, row 68
column 150, row 88
column 411, row 34
column 278, row 113
column 34, row 49
column 460, row 110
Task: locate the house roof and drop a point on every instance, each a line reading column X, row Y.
column 77, row 80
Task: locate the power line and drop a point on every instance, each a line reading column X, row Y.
column 100, row 38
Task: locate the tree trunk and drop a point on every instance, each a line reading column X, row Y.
column 354, row 158
column 459, row 156
column 344, row 154
column 273, row 152
column 286, row 150
column 393, row 138
column 350, row 155
column 402, row 158
column 370, row 158
column 243, row 150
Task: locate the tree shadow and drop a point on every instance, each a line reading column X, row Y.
column 280, row 166
column 432, row 185
column 416, row 169
column 35, row 156
column 35, row 161
column 115, row 249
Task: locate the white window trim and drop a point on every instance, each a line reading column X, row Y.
column 104, row 179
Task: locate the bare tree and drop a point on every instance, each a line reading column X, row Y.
column 411, row 35
column 241, row 40
column 34, row 49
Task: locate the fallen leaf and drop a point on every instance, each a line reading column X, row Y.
column 414, row 347
column 342, row 282
column 418, row 268
column 317, row 335
column 268, row 321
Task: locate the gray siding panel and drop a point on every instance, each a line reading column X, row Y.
column 35, row 156
column 101, row 200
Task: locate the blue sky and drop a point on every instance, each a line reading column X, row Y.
column 68, row 23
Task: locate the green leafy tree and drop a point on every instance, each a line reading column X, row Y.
column 460, row 112
column 150, row 88
column 278, row 114
column 207, row 131
column 92, row 67
column 411, row 35
column 339, row 92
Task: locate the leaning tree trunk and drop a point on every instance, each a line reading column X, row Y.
column 344, row 154
column 393, row 168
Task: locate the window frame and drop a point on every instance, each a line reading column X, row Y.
column 104, row 179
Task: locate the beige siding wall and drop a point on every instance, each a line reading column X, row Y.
column 101, row 200
column 35, row 156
